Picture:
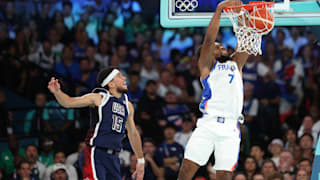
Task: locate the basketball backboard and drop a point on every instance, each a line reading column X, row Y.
column 191, row 13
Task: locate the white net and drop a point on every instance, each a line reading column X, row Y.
column 250, row 23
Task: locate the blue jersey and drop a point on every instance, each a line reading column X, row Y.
column 108, row 121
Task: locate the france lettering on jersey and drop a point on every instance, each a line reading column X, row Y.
column 222, row 91
column 108, row 121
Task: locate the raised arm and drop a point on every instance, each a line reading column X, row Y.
column 66, row 101
column 136, row 144
column 207, row 59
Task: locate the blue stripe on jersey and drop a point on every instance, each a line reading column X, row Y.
column 206, row 94
column 214, row 65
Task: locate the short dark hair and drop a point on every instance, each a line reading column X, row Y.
column 23, row 162
column 31, row 145
column 58, row 151
column 306, row 134
column 151, row 82
column 305, row 159
column 103, row 74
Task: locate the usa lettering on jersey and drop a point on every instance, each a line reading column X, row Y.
column 118, row 108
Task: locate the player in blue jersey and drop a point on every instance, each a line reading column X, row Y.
column 218, row 129
column 111, row 114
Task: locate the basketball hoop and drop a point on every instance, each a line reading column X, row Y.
column 250, row 23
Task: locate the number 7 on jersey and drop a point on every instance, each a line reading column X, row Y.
column 232, row 76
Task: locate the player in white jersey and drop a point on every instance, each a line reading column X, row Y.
column 218, row 129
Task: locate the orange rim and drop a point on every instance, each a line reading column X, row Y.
column 251, row 5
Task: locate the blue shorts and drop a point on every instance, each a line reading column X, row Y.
column 100, row 165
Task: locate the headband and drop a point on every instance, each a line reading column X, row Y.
column 109, row 77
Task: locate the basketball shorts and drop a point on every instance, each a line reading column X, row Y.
column 215, row 134
column 98, row 164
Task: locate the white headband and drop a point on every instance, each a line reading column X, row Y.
column 110, row 77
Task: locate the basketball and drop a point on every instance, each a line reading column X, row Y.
column 261, row 20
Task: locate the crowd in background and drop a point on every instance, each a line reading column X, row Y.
column 73, row 40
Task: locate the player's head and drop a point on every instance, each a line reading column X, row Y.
column 220, row 53
column 112, row 78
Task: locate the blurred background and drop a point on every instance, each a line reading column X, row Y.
column 73, row 40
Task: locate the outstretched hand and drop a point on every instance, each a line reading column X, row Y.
column 228, row 3
column 54, row 85
column 139, row 173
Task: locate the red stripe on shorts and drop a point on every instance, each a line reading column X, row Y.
column 87, row 169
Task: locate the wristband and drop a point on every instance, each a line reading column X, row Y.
column 140, row 160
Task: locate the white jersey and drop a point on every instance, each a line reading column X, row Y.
column 222, row 91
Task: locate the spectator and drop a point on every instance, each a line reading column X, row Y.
column 128, row 171
column 257, row 152
column 268, row 169
column 149, row 110
column 87, row 77
column 268, row 93
column 295, row 41
column 166, row 84
column 306, row 144
column 59, row 172
column 258, row 176
column 250, row 167
column 291, row 140
column 305, row 164
column 183, row 136
column 68, row 68
column 277, row 176
column 24, row 172
column 171, row 152
column 8, row 157
column 122, row 52
column 46, row 153
column 90, row 55
column 56, row 45
column 172, row 111
column 250, row 108
column 81, row 43
column 60, row 159
column 34, row 119
column 57, row 120
column 44, row 57
column 302, row 175
column 103, row 54
column 36, row 167
column 148, row 70
column 253, row 69
column 307, row 126
column 134, row 91
column 286, row 162
column 154, row 166
column 75, row 159
column 239, row 176
column 275, row 148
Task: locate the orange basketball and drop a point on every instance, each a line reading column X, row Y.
column 262, row 19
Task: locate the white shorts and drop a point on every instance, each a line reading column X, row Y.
column 217, row 134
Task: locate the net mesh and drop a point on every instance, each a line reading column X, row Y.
column 248, row 34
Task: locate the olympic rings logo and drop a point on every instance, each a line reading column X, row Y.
column 186, row 5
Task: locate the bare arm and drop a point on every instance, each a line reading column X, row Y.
column 135, row 142
column 207, row 59
column 66, row 101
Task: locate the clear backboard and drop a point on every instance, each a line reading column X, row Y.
column 191, row 13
